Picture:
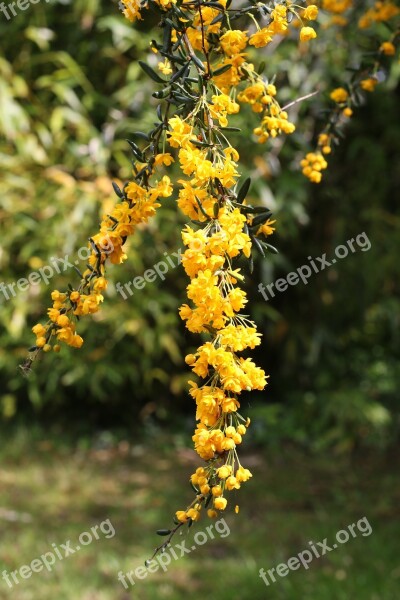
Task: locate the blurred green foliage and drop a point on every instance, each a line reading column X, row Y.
column 70, row 93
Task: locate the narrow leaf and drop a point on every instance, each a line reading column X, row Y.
column 150, row 72
column 163, row 531
column 242, row 193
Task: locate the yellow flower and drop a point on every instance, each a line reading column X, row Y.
column 307, row 33
column 224, row 471
column 58, row 296
column 53, row 314
column 279, row 22
column 163, row 159
column 76, row 341
column 216, row 491
column 312, row 165
column 180, row 132
column 311, row 12
column 261, row 38
column 181, row 516
column 233, row 42
column 164, row 187
column 243, row 474
column 336, row 6
column 63, row 321
column 220, row 503
column 339, row 95
column 100, row 284
column 232, row 483
column 388, row 48
column 39, row 330
column 267, row 229
column 74, row 296
column 131, row 10
column 165, row 67
column 221, row 106
column 369, row 84
column 165, row 4
column 381, row 12
column 193, row 514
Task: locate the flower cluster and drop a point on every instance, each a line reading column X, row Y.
column 222, row 66
column 364, row 79
column 138, row 204
column 381, row 12
column 209, row 81
column 337, row 8
column 208, row 196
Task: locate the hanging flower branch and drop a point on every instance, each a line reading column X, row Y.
column 363, row 79
column 204, row 76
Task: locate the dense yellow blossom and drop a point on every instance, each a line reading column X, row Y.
column 339, row 95
column 369, row 84
column 381, row 11
column 312, row 166
column 337, row 6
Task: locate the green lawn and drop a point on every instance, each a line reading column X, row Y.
column 51, row 492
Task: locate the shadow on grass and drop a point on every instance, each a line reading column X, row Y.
column 52, row 490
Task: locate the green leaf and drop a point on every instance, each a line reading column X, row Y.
column 258, row 245
column 180, row 72
column 261, row 218
column 167, row 37
column 242, row 193
column 217, row 19
column 201, row 144
column 151, row 73
column 162, row 93
column 221, row 70
column 270, row 247
column 137, row 153
column 216, row 5
column 198, row 63
column 163, row 531
column 118, row 190
column 202, row 209
column 230, row 129
column 141, row 135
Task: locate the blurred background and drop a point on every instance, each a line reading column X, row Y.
column 105, row 432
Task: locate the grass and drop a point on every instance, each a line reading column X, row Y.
column 52, row 490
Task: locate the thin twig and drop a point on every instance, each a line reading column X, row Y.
column 300, row 100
